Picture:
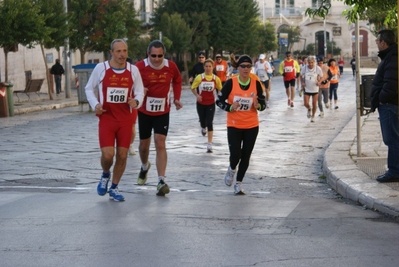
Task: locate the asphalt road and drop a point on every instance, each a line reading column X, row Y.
column 50, row 214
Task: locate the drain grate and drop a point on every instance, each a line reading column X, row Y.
column 374, row 167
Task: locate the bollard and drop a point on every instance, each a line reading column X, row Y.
column 3, row 101
column 10, row 99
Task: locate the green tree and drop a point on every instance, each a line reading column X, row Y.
column 115, row 19
column 55, row 29
column 177, row 30
column 229, row 25
column 21, row 23
column 383, row 13
column 95, row 24
column 269, row 40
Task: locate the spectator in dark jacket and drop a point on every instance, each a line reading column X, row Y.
column 384, row 96
column 57, row 70
column 198, row 68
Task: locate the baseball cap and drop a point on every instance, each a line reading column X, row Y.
column 319, row 59
column 201, row 53
column 262, row 56
column 218, row 55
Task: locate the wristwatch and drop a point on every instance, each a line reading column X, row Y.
column 137, row 103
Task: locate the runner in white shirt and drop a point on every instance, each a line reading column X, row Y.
column 310, row 80
column 262, row 70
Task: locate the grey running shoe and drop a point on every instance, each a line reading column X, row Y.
column 228, row 179
column 143, row 175
column 238, row 189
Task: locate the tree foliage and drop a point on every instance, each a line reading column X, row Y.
column 21, row 23
column 383, row 13
column 94, row 24
column 55, row 30
column 229, row 25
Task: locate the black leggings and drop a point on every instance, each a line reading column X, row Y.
column 241, row 144
column 206, row 114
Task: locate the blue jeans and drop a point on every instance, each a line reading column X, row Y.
column 57, row 79
column 390, row 135
column 333, row 91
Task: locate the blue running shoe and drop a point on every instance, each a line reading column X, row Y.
column 102, row 186
column 115, row 195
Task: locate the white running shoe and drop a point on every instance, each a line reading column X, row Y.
column 131, row 150
column 327, row 105
column 321, row 115
column 309, row 111
column 209, row 148
column 312, row 120
column 238, row 189
column 228, row 179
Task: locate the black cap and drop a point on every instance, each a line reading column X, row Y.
column 201, row 53
column 319, row 59
column 244, row 59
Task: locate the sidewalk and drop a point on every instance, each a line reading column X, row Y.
column 351, row 176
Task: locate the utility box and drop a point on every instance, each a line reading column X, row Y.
column 83, row 71
column 365, row 94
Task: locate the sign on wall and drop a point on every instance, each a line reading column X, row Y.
column 49, row 58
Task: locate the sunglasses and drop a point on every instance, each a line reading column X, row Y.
column 245, row 66
column 201, row 57
column 158, row 56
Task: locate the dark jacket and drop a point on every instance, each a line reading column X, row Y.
column 385, row 82
column 198, row 68
column 57, row 69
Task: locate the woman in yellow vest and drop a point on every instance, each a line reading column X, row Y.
column 203, row 88
column 242, row 97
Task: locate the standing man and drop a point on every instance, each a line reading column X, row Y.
column 120, row 89
column 353, row 65
column 57, row 70
column 384, row 96
column 198, row 68
column 158, row 74
column 221, row 68
column 289, row 69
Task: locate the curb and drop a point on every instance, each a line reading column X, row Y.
column 344, row 176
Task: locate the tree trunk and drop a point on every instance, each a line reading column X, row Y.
column 185, row 68
column 50, row 89
column 82, row 56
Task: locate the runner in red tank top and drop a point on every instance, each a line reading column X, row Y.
column 289, row 69
column 120, row 89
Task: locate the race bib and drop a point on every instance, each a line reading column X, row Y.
column 245, row 103
column 288, row 69
column 154, row 104
column 219, row 68
column 207, row 86
column 334, row 77
column 310, row 77
column 117, row 95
